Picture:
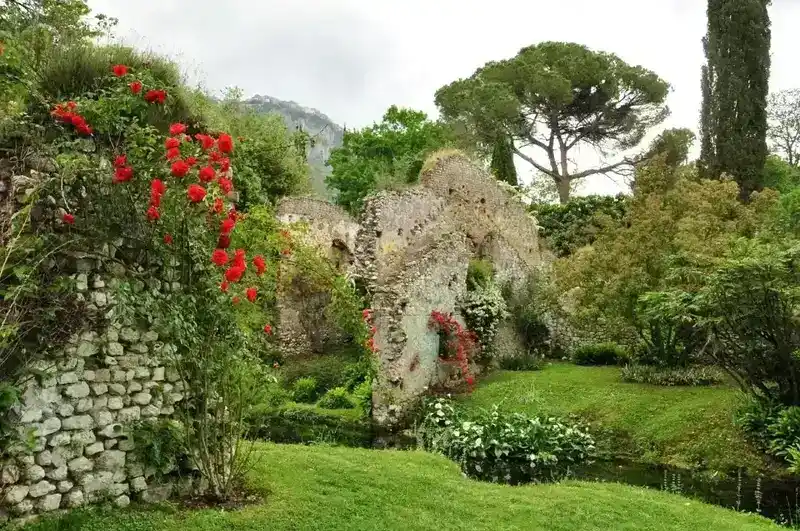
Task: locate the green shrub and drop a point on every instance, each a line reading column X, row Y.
column 159, row 444
column 305, row 390
column 330, row 370
column 336, row 398
column 672, row 376
column 525, row 362
column 511, row 448
column 783, row 432
column 479, row 273
column 362, row 394
column 297, row 423
column 599, row 354
column 484, row 308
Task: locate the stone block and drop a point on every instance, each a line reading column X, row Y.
column 93, row 449
column 79, row 422
column 83, row 405
column 129, row 415
column 83, row 438
column 151, row 411
column 16, row 494
column 115, row 403
column 158, row 374
column 80, row 465
column 157, row 494
column 102, row 417
column 111, row 460
column 23, row 507
column 118, row 376
column 122, row 501
column 10, row 474
column 117, row 389
column 74, row 498
column 48, row 427
column 172, row 375
column 78, row 390
column 64, row 486
column 138, row 484
column 68, row 378
column 34, row 473
column 66, row 410
column 89, row 376
column 49, row 503
column 139, row 348
column 134, row 387
column 99, row 389
column 115, row 349
column 109, row 444
column 129, row 335
column 41, row 488
column 102, row 375
column 87, row 349
column 126, row 445
column 44, row 458
column 31, row 414
column 142, row 399
column 58, row 474
column 97, row 482
column 111, row 431
column 151, row 336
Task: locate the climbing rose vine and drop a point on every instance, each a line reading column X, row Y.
column 199, row 170
column 460, row 344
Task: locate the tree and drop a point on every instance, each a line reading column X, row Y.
column 502, row 164
column 388, row 153
column 557, row 97
column 735, row 84
column 783, row 113
column 673, row 145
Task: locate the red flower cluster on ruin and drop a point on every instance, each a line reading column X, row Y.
column 214, row 173
column 366, row 315
column 460, row 343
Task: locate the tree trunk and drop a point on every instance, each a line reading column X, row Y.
column 562, row 185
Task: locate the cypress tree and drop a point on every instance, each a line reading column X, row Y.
column 735, row 84
column 502, row 165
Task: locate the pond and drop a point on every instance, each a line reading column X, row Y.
column 778, row 499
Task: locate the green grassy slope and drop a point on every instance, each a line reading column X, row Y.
column 680, row 426
column 326, row 488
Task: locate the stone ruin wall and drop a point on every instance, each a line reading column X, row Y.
column 412, row 250
column 304, row 328
column 79, row 408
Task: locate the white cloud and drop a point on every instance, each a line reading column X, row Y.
column 353, row 58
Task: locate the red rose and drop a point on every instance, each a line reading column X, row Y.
column 207, row 174
column 68, row 218
column 470, row 380
column 155, row 96
column 251, row 293
column 215, row 157
column 219, row 257
column 168, row 239
column 196, row 193
column 218, row 205
column 153, row 213
column 226, row 185
column 191, row 161
column 224, row 241
column 177, row 129
column 240, row 259
column 123, row 175
column 225, row 143
column 120, row 161
column 157, row 187
column 171, row 143
column 234, row 274
column 268, row 330
column 119, row 70
column 224, row 286
column 227, row 226
column 206, row 142
column 236, row 300
column 136, row 87
column 173, row 154
column 261, row 264
column 180, row 168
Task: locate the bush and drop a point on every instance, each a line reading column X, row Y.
column 329, row 370
column 301, row 424
column 484, row 308
column 305, row 390
column 336, row 398
column 599, row 354
column 533, row 309
column 479, row 273
column 511, row 448
column 775, row 429
column 363, row 396
column 672, row 376
column 525, row 362
column 159, row 444
column 783, row 432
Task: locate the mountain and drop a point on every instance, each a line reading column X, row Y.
column 325, row 133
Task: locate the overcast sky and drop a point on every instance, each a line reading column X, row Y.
column 352, row 59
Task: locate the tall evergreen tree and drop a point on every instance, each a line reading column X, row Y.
column 735, row 85
column 502, row 165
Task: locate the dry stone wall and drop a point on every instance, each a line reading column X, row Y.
column 78, row 409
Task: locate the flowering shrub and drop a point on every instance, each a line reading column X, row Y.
column 484, row 308
column 457, row 344
column 508, row 448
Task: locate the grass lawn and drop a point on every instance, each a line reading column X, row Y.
column 336, row 488
column 686, row 427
